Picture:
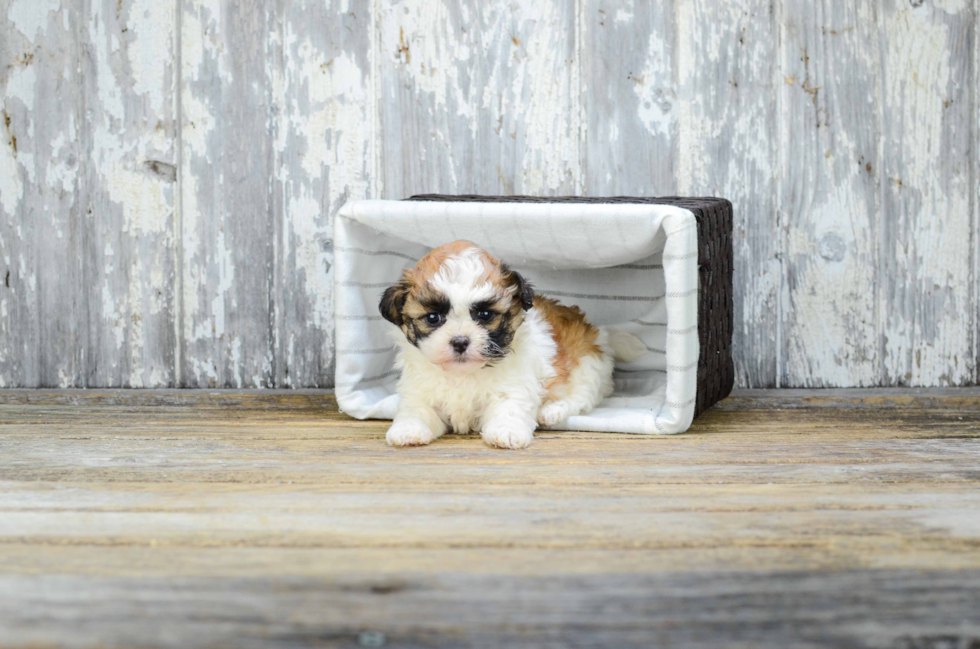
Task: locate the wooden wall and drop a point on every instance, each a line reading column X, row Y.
column 169, row 170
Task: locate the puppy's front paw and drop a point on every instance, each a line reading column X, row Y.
column 409, row 432
column 553, row 413
column 508, row 432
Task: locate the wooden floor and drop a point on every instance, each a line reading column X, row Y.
column 168, row 519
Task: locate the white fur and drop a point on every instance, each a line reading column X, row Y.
column 588, row 384
column 459, row 281
column 500, row 400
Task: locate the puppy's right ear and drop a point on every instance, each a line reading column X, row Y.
column 393, row 301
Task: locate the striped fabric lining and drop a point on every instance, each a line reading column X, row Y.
column 359, row 318
column 368, row 379
column 379, row 350
column 375, row 240
column 592, row 296
column 375, row 253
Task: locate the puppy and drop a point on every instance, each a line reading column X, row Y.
column 479, row 351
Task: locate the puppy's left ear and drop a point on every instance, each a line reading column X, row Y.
column 393, row 301
column 524, row 289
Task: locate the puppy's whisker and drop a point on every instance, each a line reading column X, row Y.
column 492, row 350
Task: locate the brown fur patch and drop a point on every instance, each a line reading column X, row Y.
column 573, row 334
column 429, row 266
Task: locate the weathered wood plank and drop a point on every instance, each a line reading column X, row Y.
column 478, row 97
column 830, row 169
column 851, row 398
column 225, row 282
column 326, row 144
column 228, row 208
column 246, row 525
column 727, row 59
column 43, row 310
column 322, row 400
column 928, row 187
column 630, row 98
column 128, row 188
column 842, row 485
column 885, row 609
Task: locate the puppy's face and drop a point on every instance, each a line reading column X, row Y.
column 459, row 305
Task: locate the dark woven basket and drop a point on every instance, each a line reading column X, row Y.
column 716, row 371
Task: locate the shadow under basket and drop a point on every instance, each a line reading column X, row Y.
column 660, row 268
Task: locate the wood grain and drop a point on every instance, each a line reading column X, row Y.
column 326, row 148
column 478, row 97
column 168, row 519
column 631, row 99
column 128, row 188
column 43, row 313
column 728, row 138
column 169, row 171
column 929, row 93
column 828, row 193
column 229, row 213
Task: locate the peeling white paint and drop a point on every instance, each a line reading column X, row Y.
column 490, row 98
column 152, row 33
column 623, row 16
column 191, row 249
column 657, row 108
column 950, row 6
column 62, row 170
column 11, row 184
column 433, row 64
column 21, row 84
column 924, row 345
column 551, row 160
column 224, row 261
column 144, row 200
column 303, row 213
column 110, row 96
column 30, row 16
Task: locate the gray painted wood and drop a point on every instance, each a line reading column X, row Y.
column 828, row 192
column 728, row 141
column 884, row 609
column 265, row 518
column 928, row 187
column 42, row 294
column 128, row 187
column 631, row 104
column 166, row 216
column 478, row 97
column 228, row 209
column 326, row 148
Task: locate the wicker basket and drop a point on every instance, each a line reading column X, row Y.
column 716, row 371
column 660, row 268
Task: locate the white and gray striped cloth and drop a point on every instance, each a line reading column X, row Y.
column 633, row 266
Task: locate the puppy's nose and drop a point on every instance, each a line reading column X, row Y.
column 460, row 343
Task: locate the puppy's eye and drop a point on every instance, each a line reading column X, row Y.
column 433, row 319
column 484, row 316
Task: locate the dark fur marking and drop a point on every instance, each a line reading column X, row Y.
column 413, row 333
column 485, row 305
column 501, row 336
column 524, row 288
column 435, row 303
column 393, row 301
